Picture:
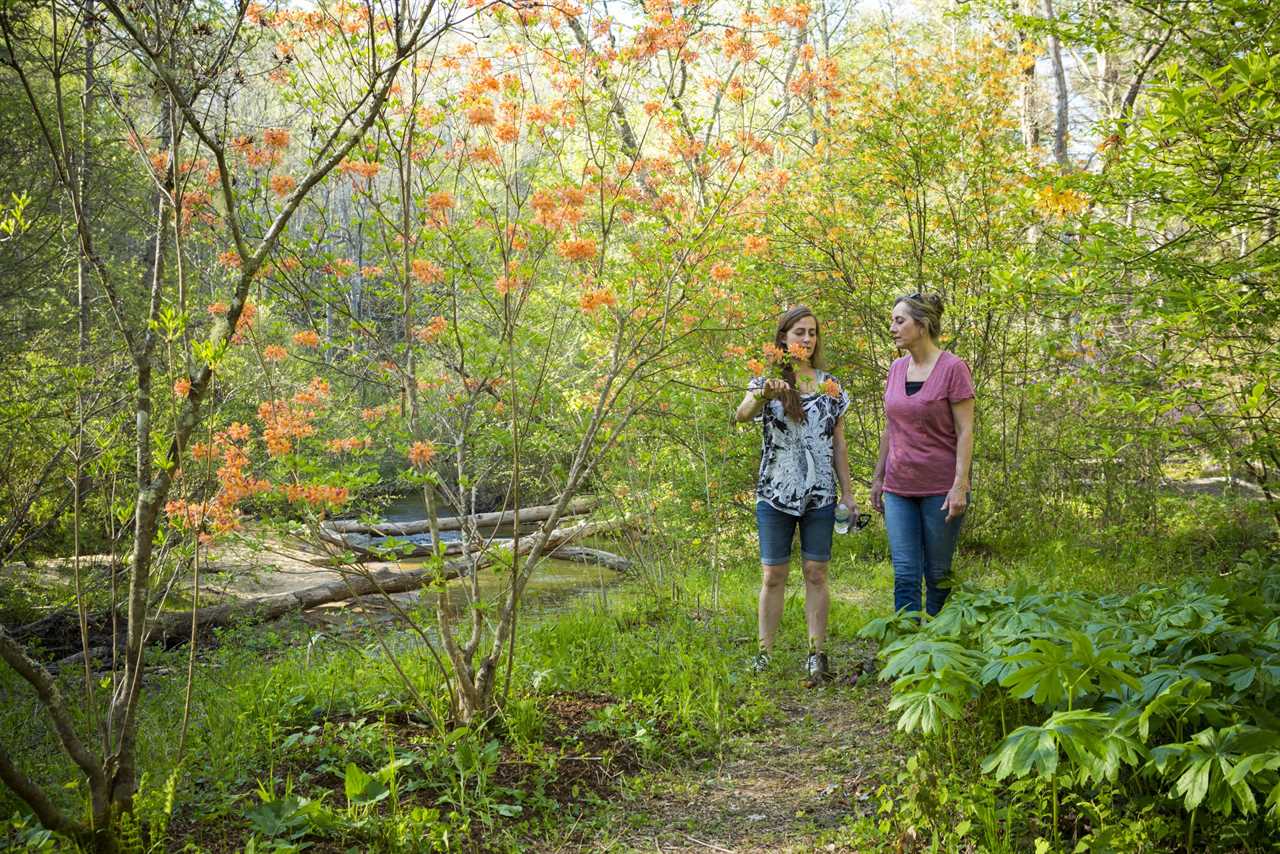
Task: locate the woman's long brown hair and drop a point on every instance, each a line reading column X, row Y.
column 791, row 399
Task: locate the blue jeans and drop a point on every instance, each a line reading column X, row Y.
column 921, row 543
column 778, row 529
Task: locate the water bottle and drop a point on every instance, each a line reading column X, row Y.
column 843, row 518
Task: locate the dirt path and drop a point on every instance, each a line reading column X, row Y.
column 817, row 763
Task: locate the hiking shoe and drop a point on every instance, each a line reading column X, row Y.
column 816, row 669
column 760, row 663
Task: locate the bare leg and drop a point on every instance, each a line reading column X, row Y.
column 773, row 590
column 817, row 601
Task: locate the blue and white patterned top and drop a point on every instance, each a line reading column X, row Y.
column 797, row 471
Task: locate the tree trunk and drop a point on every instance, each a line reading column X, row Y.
column 1062, row 116
column 123, row 719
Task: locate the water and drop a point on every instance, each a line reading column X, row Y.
column 407, row 508
column 556, row 585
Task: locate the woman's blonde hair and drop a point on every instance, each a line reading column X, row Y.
column 925, row 309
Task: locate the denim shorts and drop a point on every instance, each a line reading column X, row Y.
column 777, row 530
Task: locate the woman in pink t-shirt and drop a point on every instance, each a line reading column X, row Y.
column 921, row 481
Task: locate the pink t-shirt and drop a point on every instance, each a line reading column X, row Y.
column 922, row 430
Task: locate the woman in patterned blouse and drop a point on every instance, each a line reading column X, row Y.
column 804, row 469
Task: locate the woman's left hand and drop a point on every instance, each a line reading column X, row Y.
column 956, row 502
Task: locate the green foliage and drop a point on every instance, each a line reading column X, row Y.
column 1172, row 687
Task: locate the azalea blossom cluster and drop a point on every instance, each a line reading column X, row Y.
column 432, row 330
column 284, row 422
column 597, row 297
column 421, row 454
column 348, row 445
column 219, row 515
column 556, row 210
column 316, row 494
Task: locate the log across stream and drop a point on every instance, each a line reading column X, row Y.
column 317, row 583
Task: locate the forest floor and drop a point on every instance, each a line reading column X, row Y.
column 784, row 787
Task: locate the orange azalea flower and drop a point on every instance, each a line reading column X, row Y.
column 756, row 367
column 217, row 308
column 542, row 201
column 481, row 114
column 507, row 132
column 421, row 454
column 722, row 272
column 282, row 185
column 276, row 137
column 317, row 389
column 426, row 272
column 275, row 353
column 360, row 168
column 486, row 154
column 346, row 446
column 772, row 352
column 372, row 414
column 317, row 495
column 181, row 387
column 306, row 338
column 831, row 388
column 229, row 259
column 797, row 350
column 432, row 331
column 506, row 284
column 248, row 313
column 583, row 249
column 597, row 298
column 440, row 201
column 238, row 432
column 754, row 244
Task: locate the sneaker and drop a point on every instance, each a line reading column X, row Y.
column 760, row 663
column 816, row 669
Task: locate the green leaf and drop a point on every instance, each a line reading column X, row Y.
column 362, row 789
column 1025, row 749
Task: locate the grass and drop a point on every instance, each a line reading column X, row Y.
column 631, row 717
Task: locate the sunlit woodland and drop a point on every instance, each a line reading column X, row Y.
column 369, row 475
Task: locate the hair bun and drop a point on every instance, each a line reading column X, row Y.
column 936, row 301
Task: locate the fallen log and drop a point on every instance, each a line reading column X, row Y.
column 582, row 554
column 352, row 583
column 538, row 513
column 361, row 544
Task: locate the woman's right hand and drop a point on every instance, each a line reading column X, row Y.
column 877, row 495
column 774, row 389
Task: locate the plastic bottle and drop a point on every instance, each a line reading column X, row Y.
column 843, row 518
